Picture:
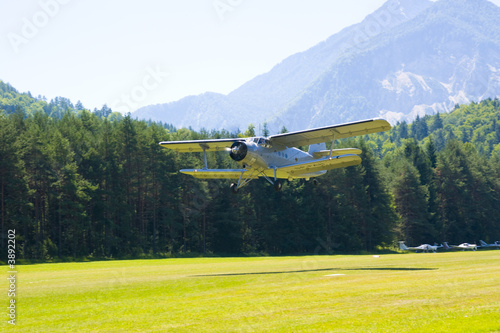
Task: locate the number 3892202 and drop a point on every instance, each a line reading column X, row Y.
column 11, row 247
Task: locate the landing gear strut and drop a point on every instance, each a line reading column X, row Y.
column 243, row 181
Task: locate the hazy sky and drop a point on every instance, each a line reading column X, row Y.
column 129, row 53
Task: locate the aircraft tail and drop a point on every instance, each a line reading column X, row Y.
column 446, row 246
column 483, row 243
column 317, row 148
column 402, row 246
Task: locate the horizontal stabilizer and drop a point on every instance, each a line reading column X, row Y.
column 337, row 152
column 298, row 169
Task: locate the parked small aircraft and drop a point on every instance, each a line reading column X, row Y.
column 276, row 157
column 463, row 246
column 484, row 244
column 423, row 247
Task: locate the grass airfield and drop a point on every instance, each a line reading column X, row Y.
column 434, row 292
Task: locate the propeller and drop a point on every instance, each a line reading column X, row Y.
column 238, row 151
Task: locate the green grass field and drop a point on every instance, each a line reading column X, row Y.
column 442, row 292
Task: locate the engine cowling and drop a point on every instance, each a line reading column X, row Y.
column 239, row 151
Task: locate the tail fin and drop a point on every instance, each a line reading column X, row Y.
column 317, row 147
column 483, row 243
column 446, row 246
column 402, row 246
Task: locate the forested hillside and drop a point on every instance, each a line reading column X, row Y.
column 76, row 183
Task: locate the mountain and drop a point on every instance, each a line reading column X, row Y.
column 408, row 58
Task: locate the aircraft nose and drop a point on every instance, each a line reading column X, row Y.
column 238, row 151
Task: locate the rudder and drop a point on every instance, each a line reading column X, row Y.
column 317, row 147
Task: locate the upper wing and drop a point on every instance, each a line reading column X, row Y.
column 293, row 139
column 325, row 134
column 194, row 146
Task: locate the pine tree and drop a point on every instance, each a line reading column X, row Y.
column 411, row 198
column 419, row 129
column 13, row 185
column 38, row 162
column 454, row 181
column 402, row 131
column 430, row 149
column 250, row 132
column 436, row 124
column 380, row 217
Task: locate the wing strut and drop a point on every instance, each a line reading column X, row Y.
column 205, row 156
column 331, row 148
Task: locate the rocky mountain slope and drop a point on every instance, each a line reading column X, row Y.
column 409, row 58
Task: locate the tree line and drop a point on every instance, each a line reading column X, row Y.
column 76, row 183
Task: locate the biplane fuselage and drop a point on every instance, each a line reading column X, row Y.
column 262, row 156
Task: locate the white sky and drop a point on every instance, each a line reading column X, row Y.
column 131, row 53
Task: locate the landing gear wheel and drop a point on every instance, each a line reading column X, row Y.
column 278, row 186
column 315, row 182
column 234, row 188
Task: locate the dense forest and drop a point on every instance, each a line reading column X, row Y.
column 76, row 183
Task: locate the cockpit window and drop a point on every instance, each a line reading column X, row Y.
column 261, row 141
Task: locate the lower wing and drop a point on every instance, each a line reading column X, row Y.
column 298, row 170
column 219, row 173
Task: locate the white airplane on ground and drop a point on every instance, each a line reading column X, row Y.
column 463, row 246
column 277, row 157
column 423, row 247
column 484, row 244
